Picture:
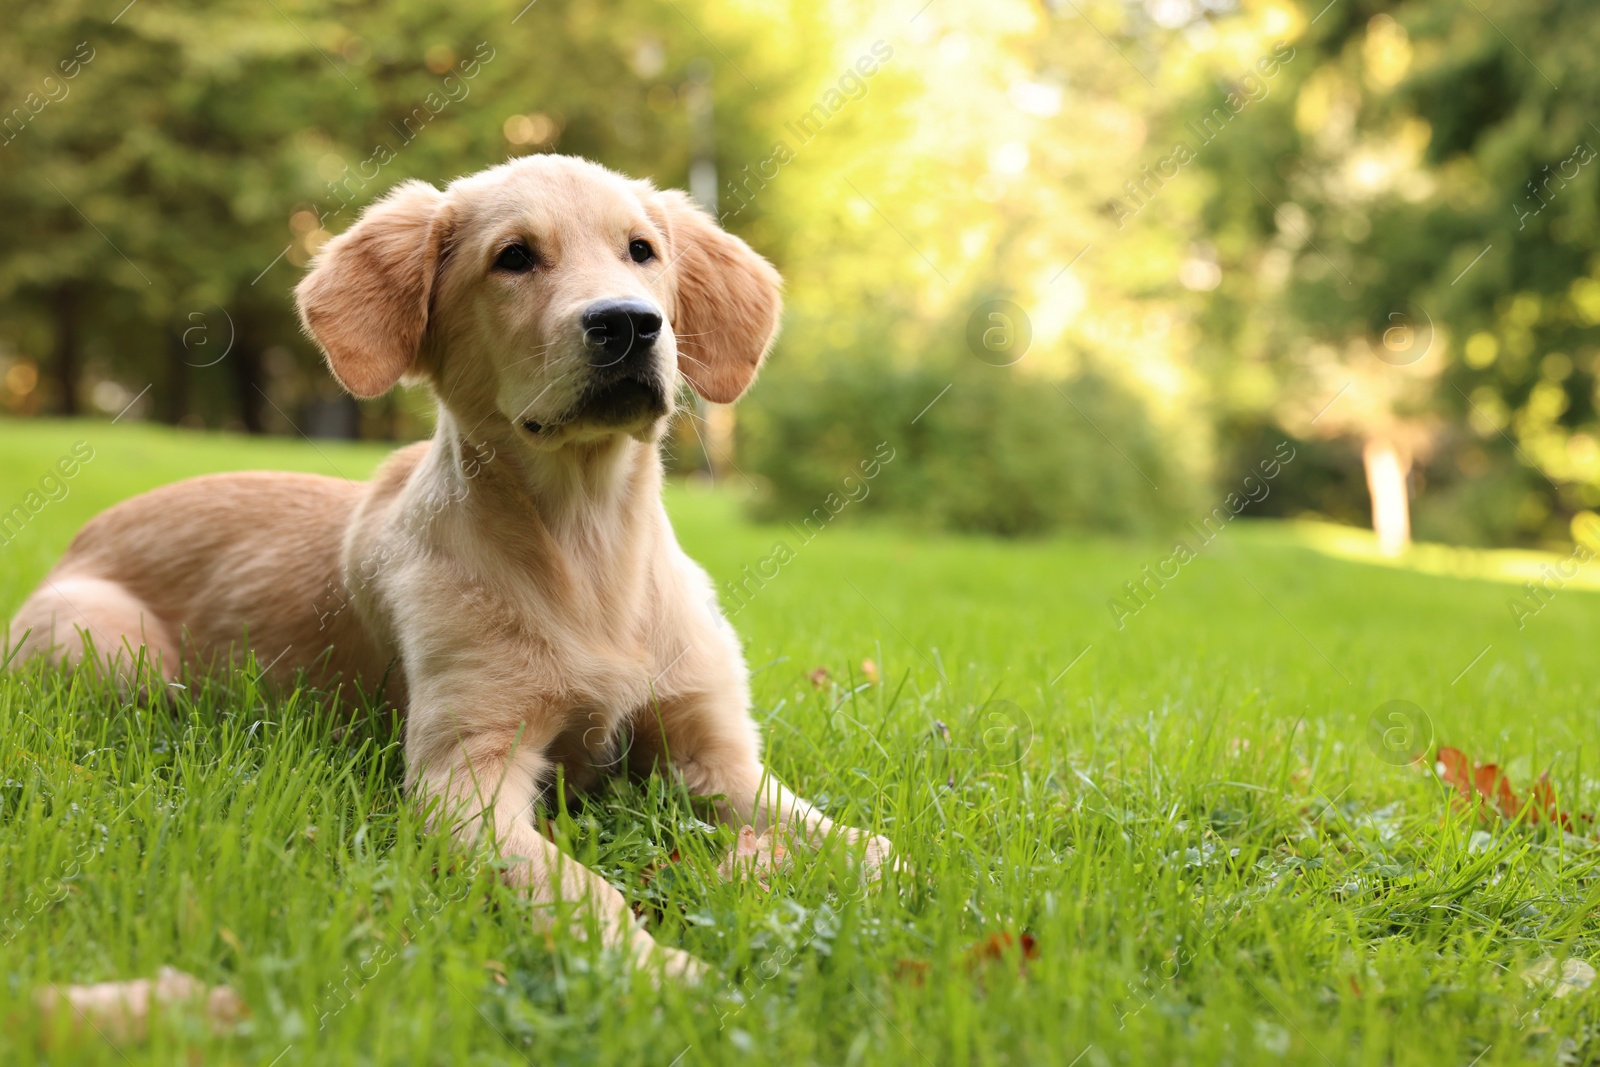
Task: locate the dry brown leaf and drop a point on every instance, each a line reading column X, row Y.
column 648, row 874
column 820, row 678
column 1452, row 766
column 979, row 956
column 1477, row 785
column 120, row 1011
column 1546, row 806
column 1496, row 789
column 754, row 855
column 1483, row 784
column 913, row 971
column 995, row 947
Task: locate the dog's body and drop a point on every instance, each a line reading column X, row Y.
column 514, row 582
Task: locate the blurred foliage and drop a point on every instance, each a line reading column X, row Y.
column 1224, row 222
column 1417, row 225
column 962, row 447
column 163, row 197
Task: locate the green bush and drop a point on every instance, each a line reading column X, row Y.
column 1002, row 451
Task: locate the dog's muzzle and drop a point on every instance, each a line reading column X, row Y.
column 626, row 383
column 620, row 335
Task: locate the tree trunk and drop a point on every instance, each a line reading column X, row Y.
column 1387, row 468
column 173, row 402
column 64, row 309
column 249, row 386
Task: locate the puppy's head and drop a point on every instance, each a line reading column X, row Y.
column 548, row 292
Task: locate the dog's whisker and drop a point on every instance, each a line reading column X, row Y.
column 539, row 351
column 506, row 616
column 558, row 380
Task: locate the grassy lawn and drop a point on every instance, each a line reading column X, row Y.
column 1216, row 855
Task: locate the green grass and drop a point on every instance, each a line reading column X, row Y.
column 1214, row 860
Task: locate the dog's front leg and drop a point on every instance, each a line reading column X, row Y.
column 714, row 747
column 486, row 792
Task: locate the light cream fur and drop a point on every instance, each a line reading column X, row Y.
column 521, row 588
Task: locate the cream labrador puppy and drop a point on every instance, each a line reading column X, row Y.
column 516, row 578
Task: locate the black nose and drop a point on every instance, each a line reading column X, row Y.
column 614, row 330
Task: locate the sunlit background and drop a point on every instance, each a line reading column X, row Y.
column 1089, row 265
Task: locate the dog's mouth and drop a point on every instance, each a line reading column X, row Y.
column 620, row 404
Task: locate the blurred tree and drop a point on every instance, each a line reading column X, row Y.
column 973, row 164
column 1422, row 197
column 1370, row 224
column 167, row 168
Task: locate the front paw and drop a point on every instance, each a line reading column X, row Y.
column 755, row 855
column 679, row 966
column 877, row 855
column 872, row 855
column 663, row 963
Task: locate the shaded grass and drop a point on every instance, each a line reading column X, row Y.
column 1193, row 822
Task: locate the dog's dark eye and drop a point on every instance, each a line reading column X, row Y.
column 517, row 258
column 640, row 250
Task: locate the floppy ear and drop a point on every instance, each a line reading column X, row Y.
column 727, row 304
column 365, row 301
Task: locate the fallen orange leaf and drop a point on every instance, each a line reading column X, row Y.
column 1496, row 788
column 913, row 971
column 996, row 946
column 1453, row 768
column 1485, row 786
column 979, row 955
